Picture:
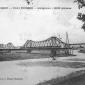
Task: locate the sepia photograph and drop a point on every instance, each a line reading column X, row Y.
column 42, row 42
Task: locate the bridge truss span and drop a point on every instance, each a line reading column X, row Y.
column 50, row 42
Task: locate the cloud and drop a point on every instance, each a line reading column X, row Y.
column 19, row 25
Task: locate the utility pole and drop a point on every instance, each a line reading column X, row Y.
column 67, row 44
column 67, row 39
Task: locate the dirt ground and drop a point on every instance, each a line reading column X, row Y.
column 33, row 71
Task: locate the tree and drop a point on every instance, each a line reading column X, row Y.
column 81, row 3
column 29, row 2
column 81, row 16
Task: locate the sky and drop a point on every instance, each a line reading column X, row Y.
column 19, row 25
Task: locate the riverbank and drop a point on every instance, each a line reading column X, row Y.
column 34, row 71
column 31, row 73
column 75, row 78
column 82, row 50
column 23, row 56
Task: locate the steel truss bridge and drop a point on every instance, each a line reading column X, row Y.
column 52, row 43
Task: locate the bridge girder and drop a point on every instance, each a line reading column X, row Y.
column 50, row 42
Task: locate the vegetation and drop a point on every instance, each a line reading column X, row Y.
column 54, row 63
column 20, row 56
column 81, row 16
column 76, row 78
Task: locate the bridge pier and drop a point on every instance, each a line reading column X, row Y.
column 57, row 52
column 9, row 51
column 29, row 51
column 53, row 54
column 68, row 51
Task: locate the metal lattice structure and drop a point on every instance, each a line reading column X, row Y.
column 50, row 42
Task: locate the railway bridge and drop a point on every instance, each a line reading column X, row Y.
column 53, row 44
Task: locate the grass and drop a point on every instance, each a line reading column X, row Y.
column 53, row 64
column 76, row 59
column 76, row 78
column 21, row 56
column 82, row 50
